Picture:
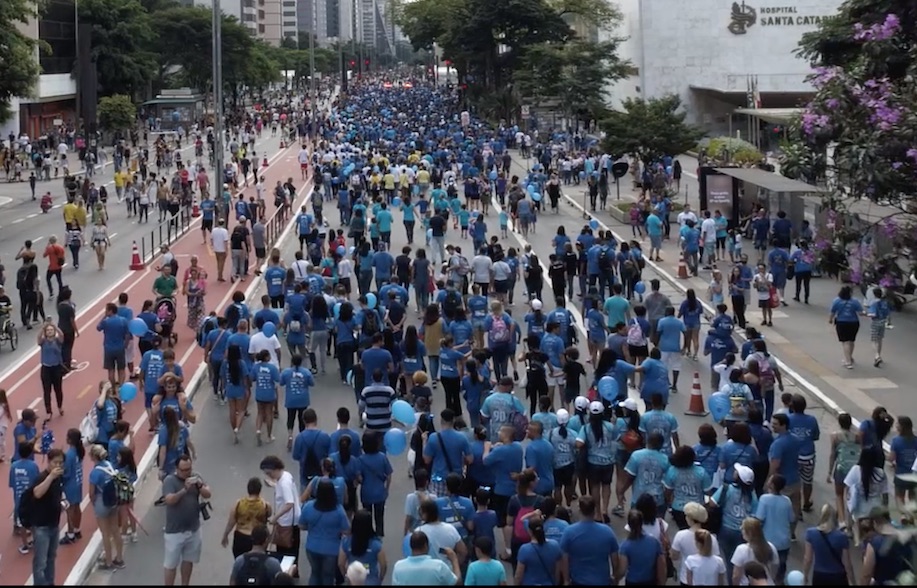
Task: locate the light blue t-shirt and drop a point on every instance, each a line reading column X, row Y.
column 599, row 452
column 485, row 573
column 498, row 409
column 564, row 447
column 775, row 511
column 735, row 505
column 662, row 422
column 688, row 485
column 670, row 329
column 846, row 311
column 648, row 468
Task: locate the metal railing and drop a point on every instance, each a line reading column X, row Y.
column 165, row 233
column 275, row 225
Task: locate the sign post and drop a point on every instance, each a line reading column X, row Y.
column 619, row 170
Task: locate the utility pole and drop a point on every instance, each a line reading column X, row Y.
column 312, row 97
column 218, row 96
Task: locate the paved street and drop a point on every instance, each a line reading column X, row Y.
column 227, row 467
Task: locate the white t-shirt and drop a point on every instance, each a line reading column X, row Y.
column 706, row 570
column 743, row 554
column 652, row 529
column 708, row 230
column 285, row 493
column 260, row 342
column 303, row 156
column 440, row 535
column 685, row 216
column 683, row 543
column 345, row 268
column 502, row 271
column 480, row 268
column 760, row 284
column 219, row 239
column 300, row 269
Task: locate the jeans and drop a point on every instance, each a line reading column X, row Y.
column 409, row 230
column 345, row 352
column 434, row 367
column 729, row 539
column 238, row 262
column 75, row 254
column 364, row 281
column 439, row 250
column 323, row 568
column 803, row 280
column 52, row 377
column 54, row 274
column 44, row 554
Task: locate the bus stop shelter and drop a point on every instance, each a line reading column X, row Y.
column 774, row 192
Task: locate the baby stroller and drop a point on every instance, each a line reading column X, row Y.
column 166, row 312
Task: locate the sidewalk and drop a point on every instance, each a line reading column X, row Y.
column 801, row 336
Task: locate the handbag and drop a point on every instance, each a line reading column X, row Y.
column 283, row 537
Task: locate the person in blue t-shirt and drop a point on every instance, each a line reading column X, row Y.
column 805, row 428
column 23, row 474
column 641, row 554
column 669, row 331
column 374, row 478
column 646, row 469
column 845, row 315
column 591, row 547
column 115, row 338
column 784, row 456
column 296, row 381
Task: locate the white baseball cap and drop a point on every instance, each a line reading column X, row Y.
column 581, row 403
column 536, row 304
column 628, row 403
column 746, row 474
column 596, row 407
column 563, row 417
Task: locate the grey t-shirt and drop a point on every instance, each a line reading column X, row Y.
column 656, row 304
column 258, row 235
column 185, row 515
column 270, row 563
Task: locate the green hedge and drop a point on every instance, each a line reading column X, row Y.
column 740, row 151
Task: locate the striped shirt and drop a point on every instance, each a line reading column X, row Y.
column 376, row 400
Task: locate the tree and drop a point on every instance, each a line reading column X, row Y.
column 117, row 112
column 857, row 138
column 120, row 33
column 649, row 129
column 18, row 68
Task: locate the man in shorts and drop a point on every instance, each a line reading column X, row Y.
column 669, row 331
column 182, row 493
column 115, row 338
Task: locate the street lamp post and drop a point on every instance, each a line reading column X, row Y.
column 218, row 95
column 312, row 69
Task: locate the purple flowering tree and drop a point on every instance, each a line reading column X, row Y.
column 858, row 138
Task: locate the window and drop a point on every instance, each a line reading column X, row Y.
column 289, row 13
column 248, row 18
column 248, row 3
column 261, row 28
column 56, row 28
column 261, row 15
column 291, row 24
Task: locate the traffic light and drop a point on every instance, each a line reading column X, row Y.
column 353, row 63
column 447, row 63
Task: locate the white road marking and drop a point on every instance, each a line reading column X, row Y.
column 18, row 220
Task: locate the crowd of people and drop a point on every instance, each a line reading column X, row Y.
column 535, row 443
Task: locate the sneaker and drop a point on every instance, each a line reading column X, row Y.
column 24, row 549
column 618, row 511
column 68, row 539
column 118, row 563
column 104, row 567
column 134, row 537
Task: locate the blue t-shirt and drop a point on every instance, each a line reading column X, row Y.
column 662, row 422
column 688, row 485
column 449, row 361
column 670, row 329
column 324, row 528
column 599, row 452
column 265, row 378
column 296, row 383
column 824, row 548
column 172, row 452
column 369, row 559
column 540, row 561
column 805, row 428
column 498, row 409
column 846, row 311
column 691, row 316
column 485, row 573
column 733, row 453
column 273, row 278
column 457, row 511
column 776, row 512
column 114, row 333
column 648, row 468
column 375, row 358
column 786, row 449
column 905, row 450
column 588, row 546
column 72, row 479
column 457, row 447
column 152, row 366
column 736, row 505
column 645, row 550
column 539, row 455
column 23, row 473
column 504, row 461
column 374, row 471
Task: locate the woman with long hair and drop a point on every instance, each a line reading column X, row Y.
column 431, row 333
column 236, row 383
column 642, row 562
column 474, row 386
column 195, row 289
column 127, row 465
column 597, row 439
column 563, row 440
column 902, row 456
column 452, row 370
column 691, row 312
column 321, row 337
column 525, row 497
column 50, row 344
column 704, row 568
column 736, row 501
column 106, row 515
column 375, row 478
column 72, row 483
column 867, row 486
column 846, row 447
column 347, row 465
column 174, row 442
column 845, row 316
column 539, row 561
column 249, row 512
column 326, row 522
column 827, row 560
column 345, row 341
column 421, row 271
column 362, row 545
column 707, row 452
column 756, row 548
column 413, row 353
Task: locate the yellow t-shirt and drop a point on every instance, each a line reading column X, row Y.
column 120, row 177
column 423, row 177
column 388, row 181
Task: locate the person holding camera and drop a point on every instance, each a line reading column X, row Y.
column 182, row 493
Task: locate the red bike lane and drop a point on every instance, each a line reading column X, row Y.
column 23, row 386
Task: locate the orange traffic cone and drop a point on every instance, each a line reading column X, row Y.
column 282, row 144
column 696, row 405
column 682, row 270
column 195, row 209
column 136, row 262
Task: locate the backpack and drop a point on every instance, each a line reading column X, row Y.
column 370, row 323
column 26, row 508
column 520, row 533
column 254, row 571
column 452, row 303
column 606, row 260
column 499, row 331
column 766, row 371
column 463, row 266
column 117, row 488
column 520, row 424
column 635, row 336
column 631, row 440
column 207, row 325
column 237, row 239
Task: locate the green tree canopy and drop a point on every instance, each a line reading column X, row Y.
column 117, row 113
column 18, row 68
column 649, row 129
column 858, row 135
column 120, row 34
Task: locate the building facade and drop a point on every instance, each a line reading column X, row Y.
column 718, row 55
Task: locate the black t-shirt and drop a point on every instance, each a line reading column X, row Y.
column 26, row 276
column 65, row 317
column 237, row 239
column 438, row 225
column 403, row 266
column 46, row 510
column 557, row 271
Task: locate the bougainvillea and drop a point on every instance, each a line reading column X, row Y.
column 857, row 137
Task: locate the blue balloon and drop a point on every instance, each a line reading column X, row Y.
column 395, row 442
column 337, row 310
column 403, row 413
column 351, row 250
column 371, row 300
column 492, row 175
column 593, row 224
column 127, row 392
column 350, row 377
column 608, row 388
column 795, row 578
column 269, row 329
column 429, row 234
column 531, row 188
column 640, row 287
column 396, row 201
column 137, row 327
column 536, row 196
column 341, row 250
column 582, row 175
column 719, row 405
